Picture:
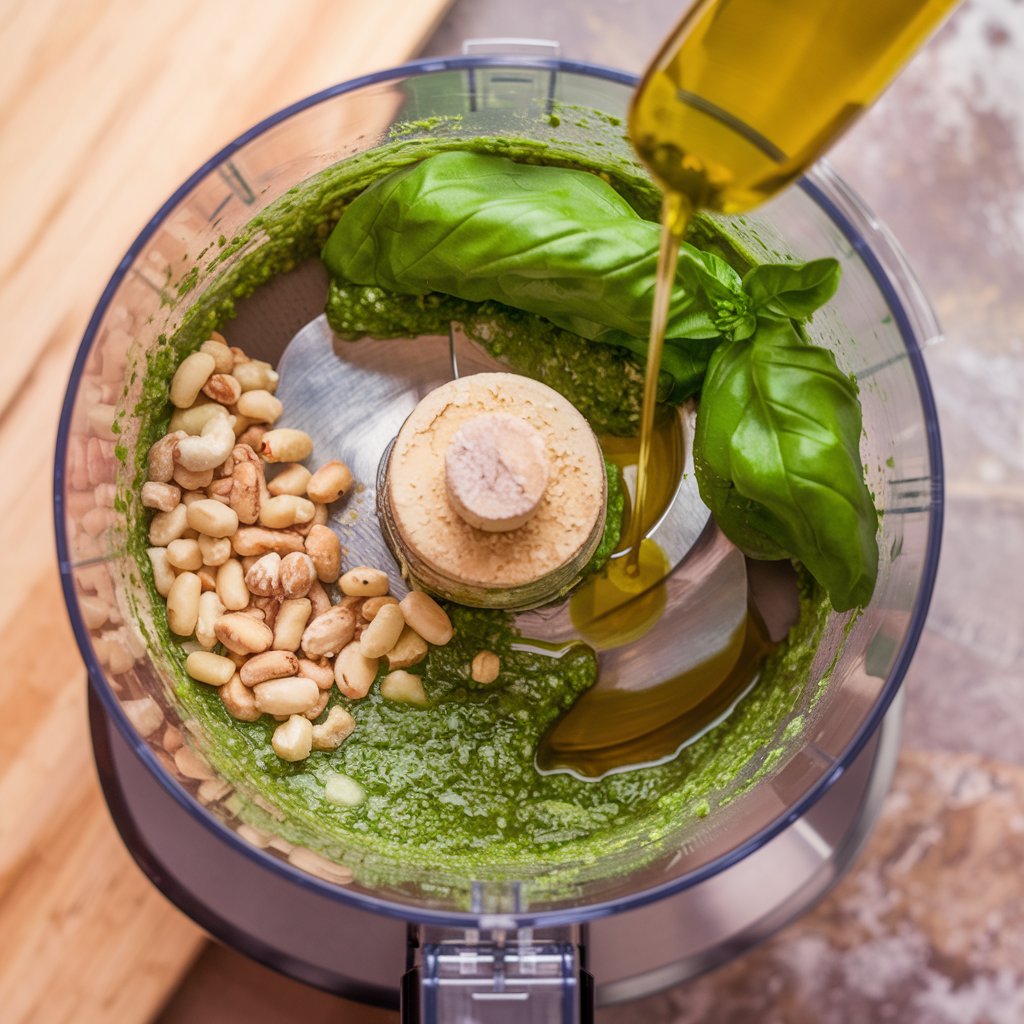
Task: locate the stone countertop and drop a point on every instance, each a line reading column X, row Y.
column 929, row 926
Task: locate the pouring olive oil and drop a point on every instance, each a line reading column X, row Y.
column 742, row 97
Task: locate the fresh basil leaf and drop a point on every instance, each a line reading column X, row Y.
column 792, row 290
column 777, row 459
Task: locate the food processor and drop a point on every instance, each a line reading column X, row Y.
column 491, row 947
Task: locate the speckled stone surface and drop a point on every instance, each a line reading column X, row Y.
column 929, row 926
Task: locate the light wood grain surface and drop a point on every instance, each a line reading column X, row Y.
column 105, row 107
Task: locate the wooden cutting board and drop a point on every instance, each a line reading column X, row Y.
column 105, row 107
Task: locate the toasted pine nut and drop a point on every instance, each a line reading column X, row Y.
column 403, row 686
column 257, row 540
column 252, row 436
column 211, row 608
column 291, row 480
column 95, row 610
column 410, row 649
column 231, row 588
column 223, row 388
column 191, row 765
column 485, row 667
column 323, row 546
column 319, row 600
column 372, row 605
column 192, row 480
column 254, row 374
column 168, row 526
column 329, row 633
column 263, row 577
column 185, row 554
column 260, row 406
column 285, row 444
column 318, row 708
column 209, row 668
column 320, row 672
column 208, row 578
column 160, row 496
column 209, row 516
column 189, row 378
column 191, row 421
column 297, row 574
column 163, row 574
column 223, row 360
column 238, row 699
column 286, row 510
column 362, row 581
column 334, row 730
column 381, row 635
column 292, row 695
column 290, row 623
column 144, row 714
column 329, row 482
column 160, row 461
column 243, row 634
column 183, row 604
column 354, row 672
column 269, row 665
column 270, row 606
column 215, row 550
column 293, row 740
column 427, row 617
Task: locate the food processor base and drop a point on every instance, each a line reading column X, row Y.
column 297, row 930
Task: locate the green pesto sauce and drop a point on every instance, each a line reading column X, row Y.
column 452, row 786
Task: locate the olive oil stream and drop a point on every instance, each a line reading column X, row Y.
column 742, row 97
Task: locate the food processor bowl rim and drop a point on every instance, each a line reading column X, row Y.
column 855, row 234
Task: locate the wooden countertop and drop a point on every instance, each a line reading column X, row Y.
column 105, row 107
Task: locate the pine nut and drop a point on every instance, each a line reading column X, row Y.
column 290, row 623
column 192, row 479
column 223, row 360
column 318, row 599
column 286, row 510
column 243, row 634
column 167, row 526
column 222, row 388
column 257, row 540
column 297, row 574
column 404, row 687
column 362, row 581
column 144, row 714
column 329, row 482
column 239, row 701
column 286, row 444
column 264, row 576
column 334, row 730
column 231, row 588
column 209, row 668
column 292, row 695
column 372, row 605
column 427, row 617
column 270, row 665
column 183, row 604
column 293, row 740
column 354, row 672
column 215, row 550
column 208, row 578
column 485, row 667
column 270, row 607
column 162, row 497
column 189, row 378
column 211, row 608
column 291, row 480
column 94, row 610
column 252, row 436
column 185, row 554
column 190, row 422
column 209, row 516
column 160, row 461
column 255, row 374
column 192, row 766
column 163, row 574
column 319, row 671
column 260, row 406
column 329, row 633
column 323, row 546
column 381, row 635
column 410, row 649
column 318, row 708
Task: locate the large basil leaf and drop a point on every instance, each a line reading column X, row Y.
column 777, row 458
column 552, row 241
column 792, row 290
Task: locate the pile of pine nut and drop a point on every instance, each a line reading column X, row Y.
column 248, row 566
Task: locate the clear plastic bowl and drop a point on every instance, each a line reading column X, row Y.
column 877, row 326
